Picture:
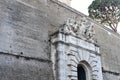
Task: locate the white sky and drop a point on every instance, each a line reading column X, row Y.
column 81, row 5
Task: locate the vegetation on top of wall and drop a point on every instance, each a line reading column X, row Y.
column 106, row 12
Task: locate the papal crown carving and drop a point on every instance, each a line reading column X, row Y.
column 82, row 29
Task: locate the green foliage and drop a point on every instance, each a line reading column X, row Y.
column 106, row 12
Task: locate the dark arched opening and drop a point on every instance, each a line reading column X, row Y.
column 81, row 72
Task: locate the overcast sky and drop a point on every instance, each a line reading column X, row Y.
column 81, row 5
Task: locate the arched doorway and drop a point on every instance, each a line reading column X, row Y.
column 84, row 70
column 81, row 72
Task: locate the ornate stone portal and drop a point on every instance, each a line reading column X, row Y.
column 74, row 45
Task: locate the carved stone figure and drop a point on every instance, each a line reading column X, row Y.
column 82, row 29
column 70, row 27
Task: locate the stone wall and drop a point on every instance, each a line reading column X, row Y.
column 25, row 26
column 24, row 52
column 19, row 68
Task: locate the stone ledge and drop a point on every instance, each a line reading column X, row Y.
column 110, row 72
column 26, row 57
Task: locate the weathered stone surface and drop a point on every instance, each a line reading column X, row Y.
column 18, row 68
column 22, row 30
column 110, row 76
column 25, row 26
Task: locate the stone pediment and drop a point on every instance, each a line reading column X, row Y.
column 82, row 29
